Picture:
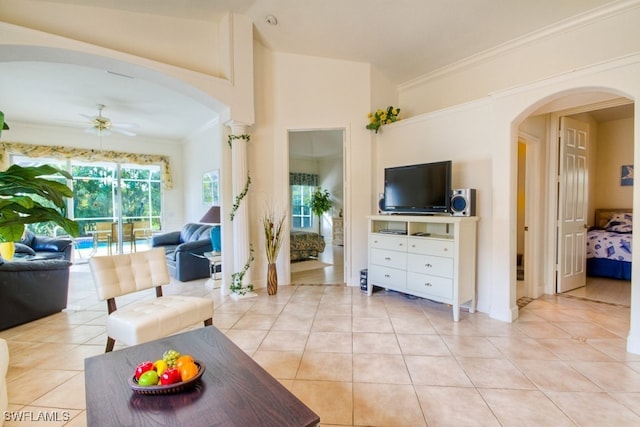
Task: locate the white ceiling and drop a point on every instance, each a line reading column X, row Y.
column 404, row 39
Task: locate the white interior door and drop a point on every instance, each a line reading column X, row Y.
column 572, row 204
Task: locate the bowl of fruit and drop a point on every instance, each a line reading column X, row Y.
column 173, row 373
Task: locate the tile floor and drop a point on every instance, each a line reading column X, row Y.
column 384, row 360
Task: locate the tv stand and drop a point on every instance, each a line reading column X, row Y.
column 432, row 257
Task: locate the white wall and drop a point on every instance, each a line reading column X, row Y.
column 332, row 179
column 202, row 153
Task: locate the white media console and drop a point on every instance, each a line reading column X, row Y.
column 432, row 257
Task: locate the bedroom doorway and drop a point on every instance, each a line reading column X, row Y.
column 612, row 123
column 316, row 161
column 611, row 130
column 608, row 280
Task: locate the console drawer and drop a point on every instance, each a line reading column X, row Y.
column 432, row 265
column 426, row 246
column 384, row 276
column 384, row 241
column 439, row 287
column 386, row 258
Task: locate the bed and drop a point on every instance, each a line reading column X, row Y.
column 609, row 244
column 305, row 245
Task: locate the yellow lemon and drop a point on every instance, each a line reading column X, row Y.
column 160, row 366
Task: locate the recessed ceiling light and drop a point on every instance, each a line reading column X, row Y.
column 271, row 20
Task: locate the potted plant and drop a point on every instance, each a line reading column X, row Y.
column 320, row 203
column 24, row 194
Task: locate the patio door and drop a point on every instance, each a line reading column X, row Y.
column 115, row 204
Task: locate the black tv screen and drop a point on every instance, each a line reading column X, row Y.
column 422, row 188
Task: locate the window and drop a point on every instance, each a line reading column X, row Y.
column 302, row 187
column 301, row 214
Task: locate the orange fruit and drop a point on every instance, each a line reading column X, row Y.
column 188, row 370
column 185, row 358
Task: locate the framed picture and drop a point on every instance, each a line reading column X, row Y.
column 626, row 175
column 211, row 188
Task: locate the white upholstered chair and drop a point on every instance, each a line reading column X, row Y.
column 144, row 320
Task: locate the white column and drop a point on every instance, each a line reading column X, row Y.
column 240, row 223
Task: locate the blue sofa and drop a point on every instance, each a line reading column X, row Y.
column 185, row 250
column 34, row 247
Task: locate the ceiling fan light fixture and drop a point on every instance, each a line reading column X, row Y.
column 102, row 126
column 97, row 131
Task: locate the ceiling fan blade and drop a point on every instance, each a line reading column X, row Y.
column 125, row 125
column 123, row 131
column 90, row 118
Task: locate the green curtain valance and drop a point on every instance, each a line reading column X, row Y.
column 297, row 178
column 60, row 152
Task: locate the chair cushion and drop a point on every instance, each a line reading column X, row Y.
column 145, row 321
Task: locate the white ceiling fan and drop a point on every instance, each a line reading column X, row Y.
column 102, row 126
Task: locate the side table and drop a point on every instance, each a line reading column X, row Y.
column 215, row 259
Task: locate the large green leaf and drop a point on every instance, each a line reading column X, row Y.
column 17, row 208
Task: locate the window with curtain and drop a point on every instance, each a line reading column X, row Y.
column 302, row 187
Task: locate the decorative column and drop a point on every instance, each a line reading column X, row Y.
column 239, row 215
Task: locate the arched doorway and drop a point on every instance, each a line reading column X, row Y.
column 543, row 121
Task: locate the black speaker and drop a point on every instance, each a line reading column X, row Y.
column 381, row 204
column 463, row 202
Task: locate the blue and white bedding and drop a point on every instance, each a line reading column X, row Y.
column 609, row 244
column 609, row 248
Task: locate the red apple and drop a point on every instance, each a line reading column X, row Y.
column 170, row 376
column 142, row 368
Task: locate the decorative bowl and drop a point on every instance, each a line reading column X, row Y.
column 168, row 389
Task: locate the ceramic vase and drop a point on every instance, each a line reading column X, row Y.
column 272, row 279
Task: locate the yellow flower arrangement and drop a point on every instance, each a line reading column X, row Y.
column 383, row 117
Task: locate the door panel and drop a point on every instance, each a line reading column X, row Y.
column 572, row 223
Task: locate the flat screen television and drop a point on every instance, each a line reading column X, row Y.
column 418, row 189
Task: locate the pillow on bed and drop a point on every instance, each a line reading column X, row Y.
column 620, row 223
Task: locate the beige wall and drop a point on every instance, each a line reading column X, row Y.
column 125, row 31
column 297, row 92
column 545, row 54
column 615, row 148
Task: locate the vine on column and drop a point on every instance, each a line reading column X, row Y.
column 231, row 138
column 239, row 198
column 237, row 287
column 236, row 278
column 244, row 192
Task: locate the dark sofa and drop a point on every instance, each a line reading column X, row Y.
column 185, row 251
column 30, row 290
column 44, row 247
